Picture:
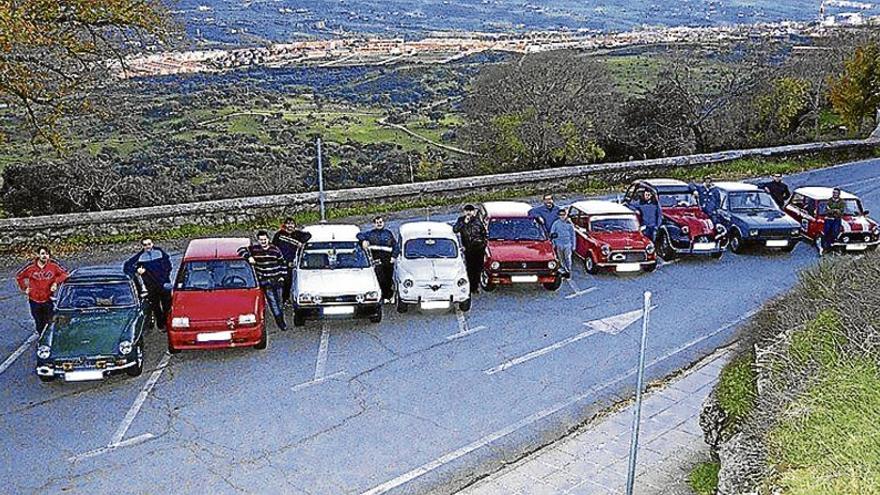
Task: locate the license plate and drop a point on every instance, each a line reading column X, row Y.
column 339, row 310
column 83, row 375
column 782, row 243
column 435, row 304
column 856, row 247
column 704, row 246
column 214, row 337
column 521, row 279
column 629, row 267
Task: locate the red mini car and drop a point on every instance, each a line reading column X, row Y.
column 857, row 231
column 609, row 236
column 519, row 250
column 216, row 301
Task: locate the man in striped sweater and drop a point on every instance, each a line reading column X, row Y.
column 271, row 268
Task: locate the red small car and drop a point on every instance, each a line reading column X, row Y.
column 858, row 232
column 216, row 301
column 518, row 250
column 609, row 236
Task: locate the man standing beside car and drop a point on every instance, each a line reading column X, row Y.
column 271, row 267
column 153, row 265
column 473, row 238
column 708, row 196
column 778, row 190
column 383, row 246
column 649, row 211
column 39, row 280
column 834, row 209
column 290, row 240
column 546, row 213
column 562, row 235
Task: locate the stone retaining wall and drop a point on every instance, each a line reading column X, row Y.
column 17, row 232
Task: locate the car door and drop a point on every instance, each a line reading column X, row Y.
column 631, row 199
column 724, row 213
column 580, row 221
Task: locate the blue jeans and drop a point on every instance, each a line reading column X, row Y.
column 42, row 313
column 830, row 231
column 650, row 231
column 273, row 292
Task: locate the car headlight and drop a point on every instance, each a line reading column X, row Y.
column 876, row 230
column 495, row 265
column 551, row 265
column 372, row 296
column 720, row 229
column 753, row 233
column 44, row 351
column 408, row 283
column 685, row 229
column 305, row 297
column 180, row 322
column 316, row 299
column 125, row 347
column 846, row 238
column 248, row 319
column 606, row 250
column 795, row 231
column 650, row 248
column 359, row 298
column 462, row 282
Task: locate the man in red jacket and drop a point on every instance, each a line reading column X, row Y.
column 39, row 280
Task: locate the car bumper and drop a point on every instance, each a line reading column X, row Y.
column 854, row 246
column 214, row 338
column 627, row 267
column 416, row 296
column 81, row 374
column 339, row 311
column 696, row 249
column 771, row 242
column 513, row 278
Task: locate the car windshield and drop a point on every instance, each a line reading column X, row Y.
column 430, row 248
column 96, row 295
column 850, row 207
column 515, row 229
column 216, row 275
column 624, row 223
column 751, row 200
column 333, row 256
column 681, row 198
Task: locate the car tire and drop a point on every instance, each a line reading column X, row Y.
column 717, row 256
column 590, row 264
column 650, row 268
column 555, row 284
column 465, row 305
column 664, row 248
column 46, row 379
column 377, row 316
column 402, row 307
column 264, row 341
column 484, row 282
column 299, row 320
column 736, row 242
column 172, row 350
column 789, row 248
column 138, row 368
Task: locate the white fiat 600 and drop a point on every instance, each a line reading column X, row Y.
column 430, row 270
column 334, row 277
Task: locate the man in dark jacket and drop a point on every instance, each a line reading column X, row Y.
column 473, row 238
column 834, row 211
column 777, row 189
column 290, row 240
column 271, row 267
column 708, row 195
column 153, row 265
column 651, row 216
column 383, row 246
column 546, row 213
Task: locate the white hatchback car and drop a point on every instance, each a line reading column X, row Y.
column 430, row 271
column 334, row 277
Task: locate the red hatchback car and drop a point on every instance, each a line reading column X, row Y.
column 519, row 250
column 858, row 232
column 609, row 237
column 216, row 301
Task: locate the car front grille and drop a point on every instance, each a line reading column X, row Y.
column 339, row 299
column 855, row 237
column 524, row 265
column 777, row 233
column 628, row 256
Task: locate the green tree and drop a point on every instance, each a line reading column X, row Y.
column 855, row 95
column 783, row 108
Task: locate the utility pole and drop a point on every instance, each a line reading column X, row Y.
column 321, row 183
column 634, row 440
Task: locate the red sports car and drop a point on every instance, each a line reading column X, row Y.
column 609, row 236
column 216, row 301
column 519, row 250
column 858, row 232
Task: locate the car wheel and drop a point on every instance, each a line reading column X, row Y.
column 590, row 264
column 554, row 285
column 484, row 282
column 717, row 256
column 465, row 305
column 402, row 307
column 264, row 340
column 651, row 267
column 299, row 320
column 736, row 242
column 138, row 368
column 46, row 379
column 377, row 316
column 665, row 248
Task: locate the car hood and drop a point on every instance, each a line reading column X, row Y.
column 694, row 218
column 336, row 282
column 859, row 223
column 216, row 305
column 622, row 240
column 89, row 332
column 432, row 269
column 766, row 218
column 521, row 250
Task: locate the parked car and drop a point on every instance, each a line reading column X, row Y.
column 858, row 231
column 685, row 229
column 753, row 218
column 216, row 301
column 609, row 236
column 98, row 328
column 518, row 250
column 430, row 271
column 335, row 277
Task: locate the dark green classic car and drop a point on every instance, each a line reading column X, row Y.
column 98, row 328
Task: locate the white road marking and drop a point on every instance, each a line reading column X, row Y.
column 139, row 401
column 615, row 324
column 581, row 292
column 538, row 416
column 18, row 352
column 573, row 285
column 321, row 364
column 113, row 446
column 318, row 381
column 467, row 332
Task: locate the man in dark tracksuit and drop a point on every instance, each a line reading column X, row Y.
column 651, row 215
column 153, row 266
column 473, row 238
column 290, row 240
column 834, row 210
column 709, row 197
column 777, row 189
column 384, row 248
column 271, row 268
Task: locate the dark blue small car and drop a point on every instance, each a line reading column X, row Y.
column 753, row 219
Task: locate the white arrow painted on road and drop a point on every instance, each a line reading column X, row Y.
column 615, row 324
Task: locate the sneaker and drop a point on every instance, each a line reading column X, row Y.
column 821, row 250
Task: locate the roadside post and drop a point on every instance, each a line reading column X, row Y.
column 321, row 183
column 634, row 439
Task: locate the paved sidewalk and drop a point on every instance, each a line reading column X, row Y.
column 594, row 460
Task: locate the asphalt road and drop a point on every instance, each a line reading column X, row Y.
column 419, row 403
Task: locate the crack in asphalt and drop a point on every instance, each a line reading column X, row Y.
column 379, row 341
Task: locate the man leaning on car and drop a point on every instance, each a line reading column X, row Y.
column 270, row 266
column 154, row 267
column 290, row 240
column 383, row 246
column 473, row 238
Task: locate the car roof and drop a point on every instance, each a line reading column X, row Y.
column 821, row 193
column 98, row 274
column 736, row 186
column 215, row 248
column 426, row 229
column 507, row 208
column 328, row 232
column 664, row 182
column 598, row 207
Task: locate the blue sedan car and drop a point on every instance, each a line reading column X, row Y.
column 753, row 219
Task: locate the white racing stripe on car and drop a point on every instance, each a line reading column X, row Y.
column 139, row 401
column 18, row 352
